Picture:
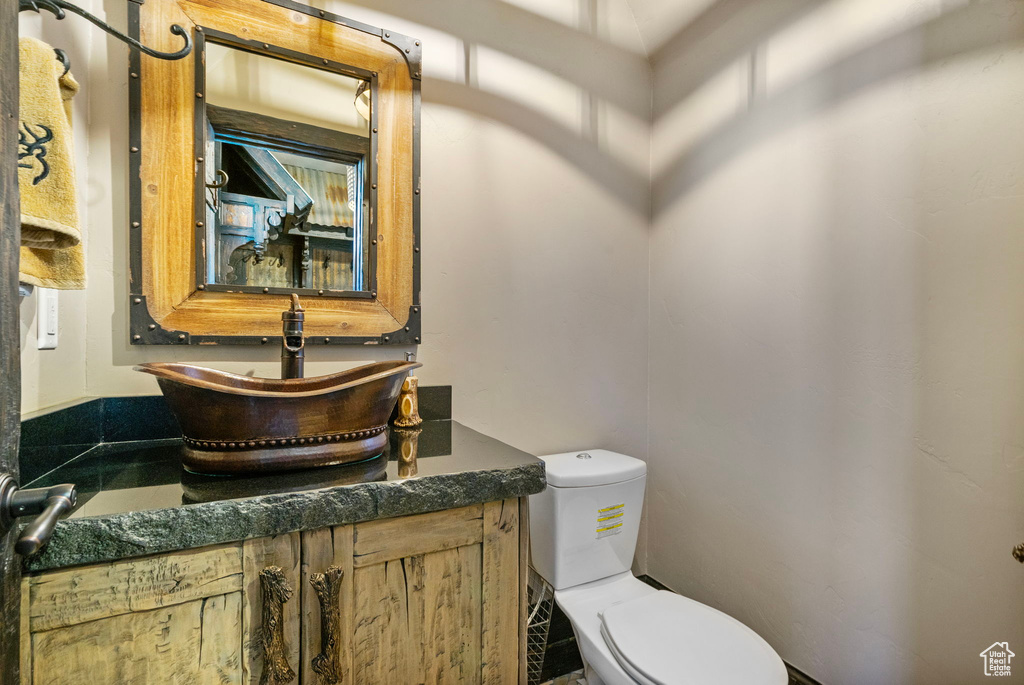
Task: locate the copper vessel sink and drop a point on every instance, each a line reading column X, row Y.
column 239, row 424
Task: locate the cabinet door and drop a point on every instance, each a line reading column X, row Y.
column 174, row 618
column 432, row 598
column 220, row 615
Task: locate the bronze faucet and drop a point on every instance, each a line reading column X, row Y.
column 293, row 343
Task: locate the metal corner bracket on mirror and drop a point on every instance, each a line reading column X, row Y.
column 410, row 48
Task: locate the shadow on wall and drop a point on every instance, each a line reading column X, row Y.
column 723, row 32
column 628, row 186
column 973, row 27
column 612, row 73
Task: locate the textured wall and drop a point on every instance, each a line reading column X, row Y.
column 837, row 309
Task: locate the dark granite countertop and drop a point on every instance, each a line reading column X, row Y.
column 135, row 499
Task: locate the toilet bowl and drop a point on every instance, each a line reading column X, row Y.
column 583, row 532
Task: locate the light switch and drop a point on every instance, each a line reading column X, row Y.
column 46, row 318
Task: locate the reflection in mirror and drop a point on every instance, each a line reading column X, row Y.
column 287, row 201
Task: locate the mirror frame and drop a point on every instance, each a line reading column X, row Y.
column 169, row 301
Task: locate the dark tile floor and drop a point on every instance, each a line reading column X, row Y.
column 574, row 678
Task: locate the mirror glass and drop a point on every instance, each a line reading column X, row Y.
column 287, row 195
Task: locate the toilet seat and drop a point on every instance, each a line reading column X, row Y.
column 666, row 639
column 624, row 663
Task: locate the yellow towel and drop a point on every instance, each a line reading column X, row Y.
column 52, row 254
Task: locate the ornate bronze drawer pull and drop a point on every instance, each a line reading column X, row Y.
column 1018, row 553
column 328, row 590
column 275, row 589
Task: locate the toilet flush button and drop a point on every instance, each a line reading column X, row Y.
column 583, row 455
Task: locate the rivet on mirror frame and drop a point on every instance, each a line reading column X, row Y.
column 266, row 290
column 417, row 338
column 152, row 326
column 135, row 224
column 327, row 340
column 199, row 224
column 134, row 149
column 136, row 337
column 319, row 292
column 137, row 300
column 201, row 287
column 199, row 159
column 263, row 340
column 181, row 336
column 134, row 75
column 199, row 95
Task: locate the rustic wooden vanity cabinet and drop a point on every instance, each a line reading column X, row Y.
column 431, row 598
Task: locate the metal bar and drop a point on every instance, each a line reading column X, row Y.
column 370, row 187
column 199, row 156
column 10, row 353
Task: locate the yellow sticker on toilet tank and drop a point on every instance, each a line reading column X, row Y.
column 609, row 520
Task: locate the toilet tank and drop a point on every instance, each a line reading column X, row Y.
column 583, row 526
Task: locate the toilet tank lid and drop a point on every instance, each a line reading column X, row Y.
column 591, row 467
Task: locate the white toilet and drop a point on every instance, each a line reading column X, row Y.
column 583, row 531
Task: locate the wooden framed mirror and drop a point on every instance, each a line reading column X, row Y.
column 280, row 157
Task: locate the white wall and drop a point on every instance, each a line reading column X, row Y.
column 534, row 210
column 837, row 309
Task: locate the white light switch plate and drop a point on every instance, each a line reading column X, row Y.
column 46, row 318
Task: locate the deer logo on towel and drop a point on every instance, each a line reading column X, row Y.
column 34, row 149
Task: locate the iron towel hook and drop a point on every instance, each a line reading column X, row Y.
column 57, row 7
